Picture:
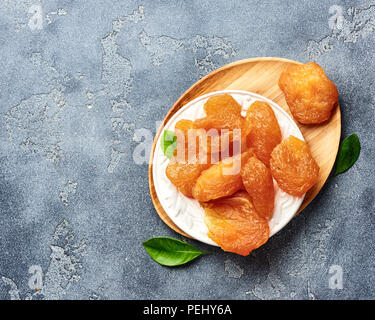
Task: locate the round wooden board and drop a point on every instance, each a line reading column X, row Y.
column 260, row 75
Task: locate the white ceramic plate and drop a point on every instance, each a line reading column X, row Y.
column 186, row 212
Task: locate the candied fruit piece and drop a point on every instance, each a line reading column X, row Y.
column 221, row 179
column 309, row 93
column 225, row 144
column 193, row 144
column 184, row 174
column 237, row 143
column 214, row 143
column 185, row 126
column 222, row 112
column 182, row 128
column 265, row 132
column 217, row 144
column 258, row 182
column 198, row 146
column 190, row 158
column 234, row 224
column 293, row 166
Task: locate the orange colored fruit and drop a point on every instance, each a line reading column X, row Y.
column 225, row 144
column 193, row 145
column 216, row 143
column 221, row 179
column 190, row 157
column 222, row 112
column 185, row 126
column 184, row 174
column 265, row 132
column 234, row 224
column 182, row 129
column 293, row 166
column 258, row 183
column 309, row 93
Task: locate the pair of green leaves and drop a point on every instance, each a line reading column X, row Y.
column 171, row 252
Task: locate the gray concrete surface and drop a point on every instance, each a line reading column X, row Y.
column 76, row 89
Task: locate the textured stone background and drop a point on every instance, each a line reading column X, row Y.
column 73, row 96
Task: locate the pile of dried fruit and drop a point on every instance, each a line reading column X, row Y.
column 228, row 162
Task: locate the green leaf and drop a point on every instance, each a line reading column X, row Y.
column 171, row 252
column 348, row 153
column 168, row 143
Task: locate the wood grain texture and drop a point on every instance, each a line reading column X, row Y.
column 260, row 75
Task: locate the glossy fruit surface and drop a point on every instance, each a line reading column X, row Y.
column 293, row 166
column 221, row 179
column 265, row 132
column 309, row 93
column 222, row 112
column 234, row 224
column 258, row 182
column 184, row 174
